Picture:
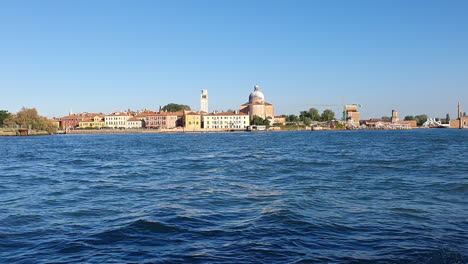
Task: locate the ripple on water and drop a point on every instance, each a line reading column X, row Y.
column 290, row 197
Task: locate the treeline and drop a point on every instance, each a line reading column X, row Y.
column 27, row 118
column 4, row 114
column 175, row 107
column 420, row 119
column 307, row 117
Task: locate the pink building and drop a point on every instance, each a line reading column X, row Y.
column 164, row 120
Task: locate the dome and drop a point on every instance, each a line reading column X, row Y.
column 256, row 95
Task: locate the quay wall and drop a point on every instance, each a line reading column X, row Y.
column 148, row 131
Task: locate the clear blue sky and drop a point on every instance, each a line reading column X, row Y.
column 103, row 56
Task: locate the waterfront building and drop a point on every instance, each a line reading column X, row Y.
column 461, row 121
column 192, row 120
column 352, row 114
column 393, row 122
column 73, row 120
column 96, row 122
column 409, row 123
column 55, row 122
column 134, row 122
column 279, row 120
column 257, row 106
column 163, row 120
column 117, row 120
column 204, row 101
column 226, row 121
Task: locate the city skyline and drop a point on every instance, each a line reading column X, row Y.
column 107, row 56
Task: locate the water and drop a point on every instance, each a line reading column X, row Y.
column 289, row 197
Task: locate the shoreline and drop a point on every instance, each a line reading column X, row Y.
column 174, row 131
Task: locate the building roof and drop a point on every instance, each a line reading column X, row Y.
column 150, row 113
column 191, row 113
column 119, row 114
column 133, row 119
column 256, row 103
column 227, row 114
column 257, row 95
column 81, row 116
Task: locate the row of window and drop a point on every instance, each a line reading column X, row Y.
column 155, row 117
column 116, row 118
column 226, row 122
column 225, row 117
column 226, row 126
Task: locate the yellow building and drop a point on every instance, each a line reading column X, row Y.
column 95, row 122
column 192, row 120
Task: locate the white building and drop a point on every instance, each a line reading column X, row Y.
column 204, row 101
column 134, row 123
column 226, row 121
column 117, row 120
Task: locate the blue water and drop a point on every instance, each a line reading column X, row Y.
column 287, row 197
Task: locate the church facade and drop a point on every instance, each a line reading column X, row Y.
column 257, row 106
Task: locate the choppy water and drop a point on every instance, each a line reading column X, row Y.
column 290, row 197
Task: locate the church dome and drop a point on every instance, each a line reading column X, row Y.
column 256, row 95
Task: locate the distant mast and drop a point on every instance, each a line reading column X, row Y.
column 204, row 101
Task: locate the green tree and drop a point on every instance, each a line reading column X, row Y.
column 421, row 119
column 447, row 118
column 328, row 115
column 175, row 107
column 409, row 118
column 307, row 121
column 314, row 114
column 4, row 114
column 386, row 118
column 303, row 115
column 292, row 118
column 258, row 121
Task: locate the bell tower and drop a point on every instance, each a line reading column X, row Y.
column 204, row 101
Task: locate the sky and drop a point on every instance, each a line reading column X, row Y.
column 105, row 56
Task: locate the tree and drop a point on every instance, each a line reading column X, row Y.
column 314, row 114
column 328, row 115
column 447, row 118
column 303, row 115
column 464, row 113
column 258, row 121
column 4, row 114
column 421, row 119
column 175, row 107
column 292, row 118
column 386, row 118
column 409, row 118
column 29, row 118
column 307, row 121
